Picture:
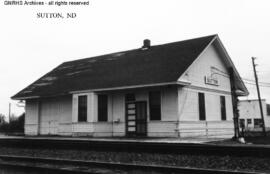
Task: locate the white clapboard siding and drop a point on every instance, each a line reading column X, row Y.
column 210, row 63
column 31, row 117
column 203, row 66
column 65, row 129
column 169, row 104
column 206, row 128
column 54, row 113
column 119, row 129
column 118, row 114
column 30, row 129
column 162, row 129
column 83, row 127
column 103, row 128
column 116, row 126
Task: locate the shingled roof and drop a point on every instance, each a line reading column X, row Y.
column 158, row 64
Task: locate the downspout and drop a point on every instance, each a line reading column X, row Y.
column 234, row 103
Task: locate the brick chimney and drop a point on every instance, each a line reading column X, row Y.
column 146, row 44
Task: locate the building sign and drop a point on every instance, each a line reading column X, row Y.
column 211, row 80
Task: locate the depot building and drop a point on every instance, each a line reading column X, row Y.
column 179, row 89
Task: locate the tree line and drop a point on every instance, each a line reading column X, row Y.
column 15, row 124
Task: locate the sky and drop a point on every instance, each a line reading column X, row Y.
column 30, row 47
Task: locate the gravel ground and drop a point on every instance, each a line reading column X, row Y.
column 200, row 161
column 98, row 170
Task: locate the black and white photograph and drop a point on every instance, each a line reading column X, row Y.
column 134, row 87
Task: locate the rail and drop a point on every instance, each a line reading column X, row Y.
column 135, row 146
column 80, row 166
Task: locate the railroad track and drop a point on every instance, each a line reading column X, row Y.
column 149, row 147
column 53, row 165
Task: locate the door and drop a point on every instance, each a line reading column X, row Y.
column 136, row 118
column 49, row 115
column 141, row 119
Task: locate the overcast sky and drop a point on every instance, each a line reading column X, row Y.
column 30, row 47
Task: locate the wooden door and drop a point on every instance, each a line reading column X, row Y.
column 141, row 118
column 136, row 118
column 130, row 119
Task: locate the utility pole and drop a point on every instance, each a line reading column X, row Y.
column 235, row 104
column 259, row 95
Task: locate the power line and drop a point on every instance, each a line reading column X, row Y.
column 246, row 81
column 227, row 75
column 250, row 83
column 268, row 83
column 255, row 85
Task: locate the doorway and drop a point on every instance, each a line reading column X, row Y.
column 136, row 118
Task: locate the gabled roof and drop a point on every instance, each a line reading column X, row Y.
column 157, row 65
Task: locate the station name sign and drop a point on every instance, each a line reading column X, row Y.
column 211, row 81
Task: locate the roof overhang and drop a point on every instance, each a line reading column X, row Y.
column 25, row 98
column 241, row 89
column 180, row 83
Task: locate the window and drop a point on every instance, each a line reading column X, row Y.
column 249, row 121
column 82, row 108
column 268, row 109
column 242, row 123
column 201, row 106
column 155, row 105
column 130, row 97
column 257, row 122
column 223, row 107
column 102, row 108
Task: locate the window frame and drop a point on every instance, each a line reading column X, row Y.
column 268, row 110
column 201, row 105
column 223, row 108
column 242, row 122
column 154, row 108
column 82, row 109
column 257, row 120
column 130, row 97
column 101, row 106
